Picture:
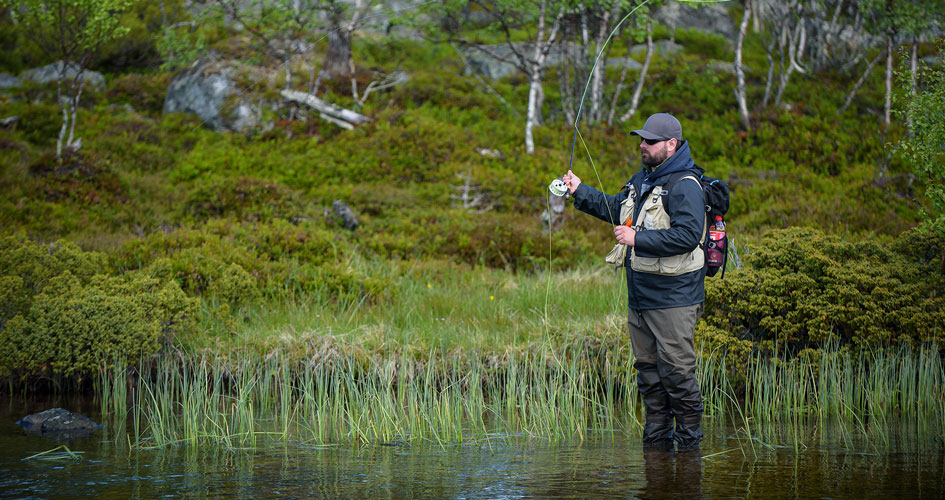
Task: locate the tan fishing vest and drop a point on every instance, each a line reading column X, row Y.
column 652, row 216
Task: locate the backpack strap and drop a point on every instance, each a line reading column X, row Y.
column 698, row 181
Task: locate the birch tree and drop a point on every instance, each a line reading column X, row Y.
column 897, row 22
column 740, row 90
column 69, row 32
column 281, row 28
column 539, row 20
column 921, row 102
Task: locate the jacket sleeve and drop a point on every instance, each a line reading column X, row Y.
column 601, row 205
column 685, row 204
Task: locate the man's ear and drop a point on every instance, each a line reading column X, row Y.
column 674, row 143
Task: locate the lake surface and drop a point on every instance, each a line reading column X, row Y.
column 830, row 464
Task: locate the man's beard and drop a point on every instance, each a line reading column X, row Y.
column 655, row 158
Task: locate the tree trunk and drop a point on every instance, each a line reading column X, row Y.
column 859, row 83
column 597, row 85
column 339, row 54
column 740, row 90
column 328, row 111
column 638, row 91
column 913, row 81
column 535, row 69
column 768, row 49
column 887, row 109
column 786, row 67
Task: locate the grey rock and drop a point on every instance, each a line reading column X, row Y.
column 495, row 68
column 618, row 62
column 726, row 67
column 348, row 219
column 660, row 48
column 490, row 153
column 7, row 81
column 708, row 18
column 59, row 423
column 9, row 121
column 206, row 89
column 50, row 73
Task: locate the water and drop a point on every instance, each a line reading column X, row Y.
column 834, row 464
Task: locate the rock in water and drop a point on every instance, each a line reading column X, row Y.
column 59, row 423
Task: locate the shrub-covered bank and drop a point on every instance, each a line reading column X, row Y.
column 159, row 234
column 797, row 291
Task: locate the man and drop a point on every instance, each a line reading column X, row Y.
column 665, row 267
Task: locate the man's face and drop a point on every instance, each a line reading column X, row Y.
column 655, row 151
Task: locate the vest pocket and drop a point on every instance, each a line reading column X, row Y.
column 644, row 264
column 674, row 264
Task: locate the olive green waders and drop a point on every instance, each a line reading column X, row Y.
column 666, row 374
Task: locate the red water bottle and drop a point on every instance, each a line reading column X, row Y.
column 715, row 250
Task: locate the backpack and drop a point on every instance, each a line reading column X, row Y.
column 716, row 205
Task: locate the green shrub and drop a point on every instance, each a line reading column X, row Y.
column 144, row 92
column 240, row 262
column 74, row 328
column 26, row 268
column 79, row 177
column 245, row 198
column 802, row 288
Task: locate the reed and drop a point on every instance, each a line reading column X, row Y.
column 543, row 391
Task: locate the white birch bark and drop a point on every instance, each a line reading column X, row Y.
column 740, row 90
column 638, row 91
column 535, row 69
column 859, row 83
column 887, row 111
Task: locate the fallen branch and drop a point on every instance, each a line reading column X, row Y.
column 330, row 112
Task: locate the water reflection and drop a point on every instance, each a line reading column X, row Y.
column 906, row 461
column 672, row 475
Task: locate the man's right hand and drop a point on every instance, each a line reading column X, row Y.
column 572, row 181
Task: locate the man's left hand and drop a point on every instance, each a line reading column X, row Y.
column 625, row 235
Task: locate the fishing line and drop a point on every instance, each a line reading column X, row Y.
column 587, row 84
column 577, row 121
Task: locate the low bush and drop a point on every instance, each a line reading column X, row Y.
column 803, row 288
column 74, row 328
column 63, row 314
column 26, row 268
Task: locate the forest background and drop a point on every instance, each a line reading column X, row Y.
column 138, row 224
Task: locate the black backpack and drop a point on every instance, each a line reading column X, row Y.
column 716, row 205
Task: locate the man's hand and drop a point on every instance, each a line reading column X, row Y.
column 572, row 181
column 625, row 235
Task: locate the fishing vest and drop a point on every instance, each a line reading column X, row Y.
column 653, row 215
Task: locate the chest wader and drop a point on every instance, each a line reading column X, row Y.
column 662, row 341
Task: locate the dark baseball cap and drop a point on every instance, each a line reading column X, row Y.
column 661, row 126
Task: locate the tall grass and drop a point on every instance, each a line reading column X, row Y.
column 460, row 355
column 442, row 399
column 542, row 392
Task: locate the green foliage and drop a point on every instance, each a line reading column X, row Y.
column 238, row 263
column 69, row 32
column 63, row 314
column 26, row 268
column 74, row 327
column 245, row 198
column 922, row 147
column 135, row 46
column 144, row 92
column 801, row 288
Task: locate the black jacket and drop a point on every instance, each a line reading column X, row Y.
column 685, row 204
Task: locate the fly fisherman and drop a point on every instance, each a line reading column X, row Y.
column 661, row 225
